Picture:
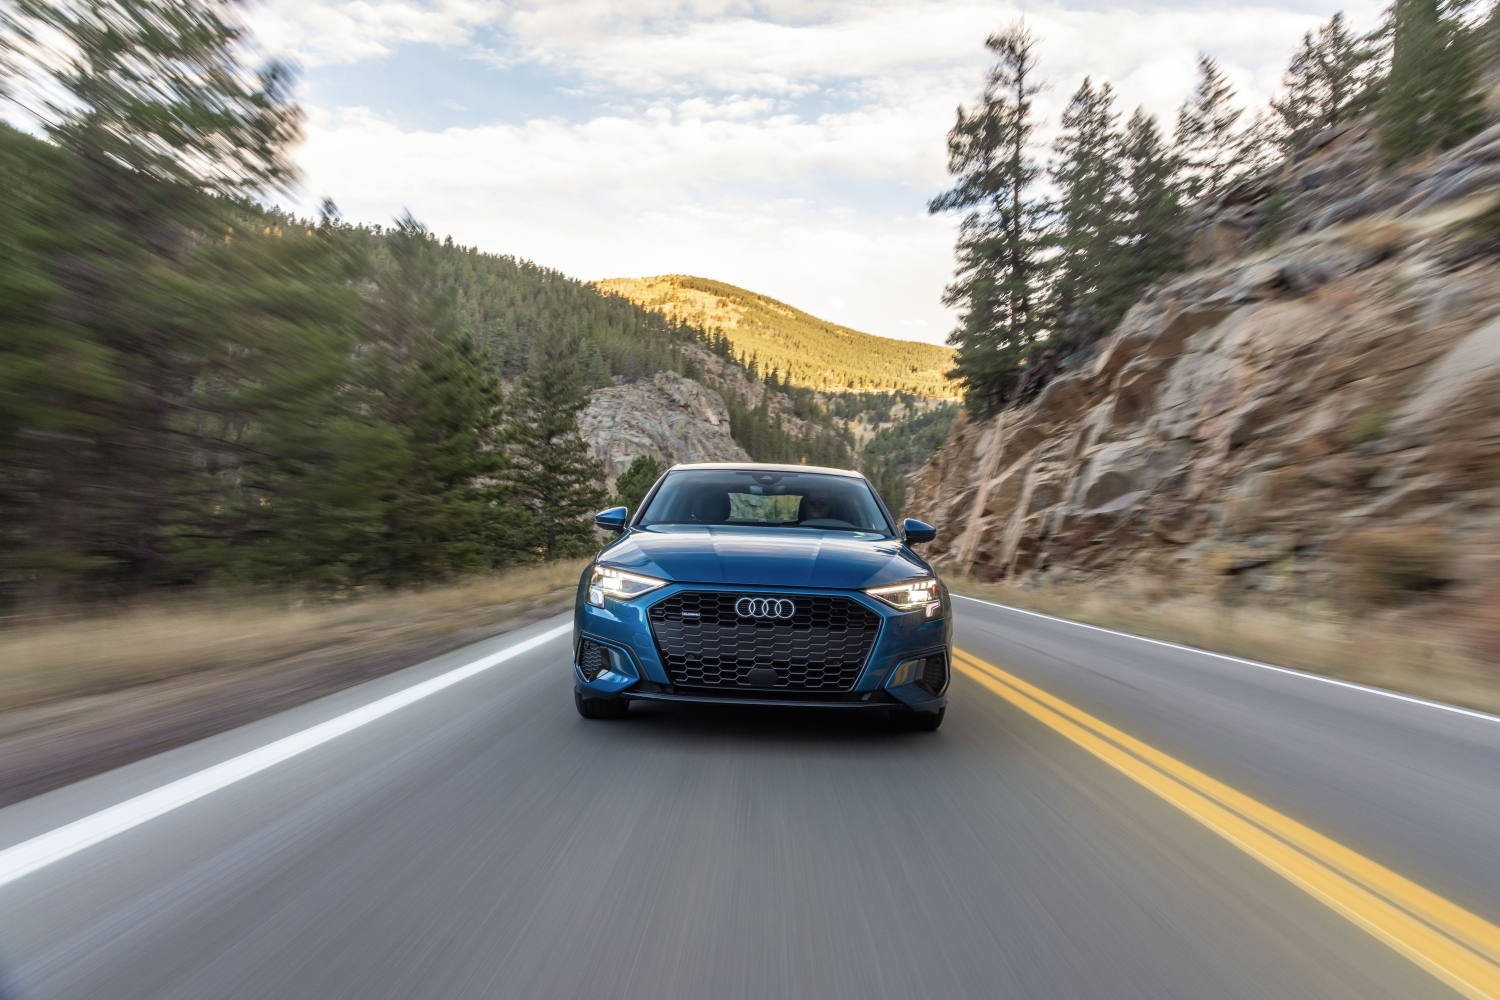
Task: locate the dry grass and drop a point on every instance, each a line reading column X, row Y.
column 1399, row 649
column 46, row 658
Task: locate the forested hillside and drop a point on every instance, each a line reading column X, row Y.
column 245, row 396
column 899, row 449
column 195, row 388
column 507, row 302
column 803, row 350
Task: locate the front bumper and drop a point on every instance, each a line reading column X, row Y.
column 635, row 668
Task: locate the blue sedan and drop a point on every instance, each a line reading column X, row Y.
column 763, row 585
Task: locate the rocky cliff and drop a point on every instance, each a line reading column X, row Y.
column 670, row 418
column 1324, row 387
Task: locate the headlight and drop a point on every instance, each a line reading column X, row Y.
column 910, row 596
column 622, row 586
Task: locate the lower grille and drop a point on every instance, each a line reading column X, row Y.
column 934, row 677
column 820, row 646
column 592, row 658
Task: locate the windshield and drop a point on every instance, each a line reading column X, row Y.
column 772, row 499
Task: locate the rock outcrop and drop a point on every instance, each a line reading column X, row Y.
column 1249, row 422
column 670, row 418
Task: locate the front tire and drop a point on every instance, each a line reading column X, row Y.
column 922, row 722
column 600, row 708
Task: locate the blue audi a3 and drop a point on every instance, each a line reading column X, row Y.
column 763, row 585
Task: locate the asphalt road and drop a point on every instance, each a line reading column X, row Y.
column 486, row 842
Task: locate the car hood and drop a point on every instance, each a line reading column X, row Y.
column 787, row 557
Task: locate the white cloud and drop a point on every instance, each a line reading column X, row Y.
column 315, row 33
column 785, row 146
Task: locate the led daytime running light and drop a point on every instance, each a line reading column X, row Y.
column 619, row 584
column 907, row 596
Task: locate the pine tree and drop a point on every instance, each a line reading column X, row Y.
column 1258, row 147
column 1093, row 276
column 433, row 388
column 1205, row 137
column 1299, row 109
column 1153, row 201
column 1431, row 98
column 1324, row 83
column 1490, row 39
column 1002, row 267
column 552, row 477
column 156, row 113
column 634, row 483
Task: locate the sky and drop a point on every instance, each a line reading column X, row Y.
column 786, row 146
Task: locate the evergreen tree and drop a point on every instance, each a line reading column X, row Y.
column 293, row 474
column 635, row 482
column 1093, row 276
column 1299, row 109
column 1431, row 98
column 157, row 91
column 551, row 475
column 1002, row 267
column 431, row 385
column 1205, row 138
column 157, row 114
column 899, row 450
column 1324, row 83
column 1153, row 230
column 1258, row 146
column 1490, row 39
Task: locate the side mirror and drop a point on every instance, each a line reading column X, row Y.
column 612, row 519
column 917, row 531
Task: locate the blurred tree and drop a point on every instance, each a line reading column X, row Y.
column 1002, row 261
column 550, row 474
column 155, row 114
column 157, row 91
column 1152, row 232
column 1093, row 274
column 429, row 382
column 288, row 474
column 1206, row 141
column 1431, row 97
column 635, row 482
column 1324, row 83
column 1490, row 39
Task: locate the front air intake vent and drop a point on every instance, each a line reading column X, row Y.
column 592, row 658
column 934, row 679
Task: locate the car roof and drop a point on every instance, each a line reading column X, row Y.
column 765, row 467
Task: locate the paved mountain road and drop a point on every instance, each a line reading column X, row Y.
column 486, row 842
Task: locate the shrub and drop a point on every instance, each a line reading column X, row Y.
column 1370, row 426
column 1389, row 564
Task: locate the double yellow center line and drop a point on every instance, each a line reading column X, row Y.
column 1453, row 944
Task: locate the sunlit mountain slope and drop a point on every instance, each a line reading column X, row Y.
column 802, row 348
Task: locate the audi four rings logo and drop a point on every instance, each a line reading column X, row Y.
column 764, row 607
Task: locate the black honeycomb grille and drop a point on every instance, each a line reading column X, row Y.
column 592, row 658
column 705, row 643
column 934, row 674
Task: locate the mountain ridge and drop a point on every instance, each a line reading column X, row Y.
column 803, row 349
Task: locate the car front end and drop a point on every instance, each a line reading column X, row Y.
column 726, row 609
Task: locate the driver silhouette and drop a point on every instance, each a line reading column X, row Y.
column 816, row 505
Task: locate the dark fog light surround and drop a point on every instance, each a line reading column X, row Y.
column 930, row 673
column 592, row 659
column 934, row 679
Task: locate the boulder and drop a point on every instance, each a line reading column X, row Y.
column 673, row 419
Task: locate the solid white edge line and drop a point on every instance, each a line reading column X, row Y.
column 1383, row 692
column 43, row 850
